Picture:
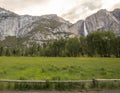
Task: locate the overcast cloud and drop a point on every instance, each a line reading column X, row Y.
column 71, row 10
column 80, row 11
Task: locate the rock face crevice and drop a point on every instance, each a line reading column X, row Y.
column 44, row 28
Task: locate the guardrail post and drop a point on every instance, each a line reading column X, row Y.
column 47, row 84
column 94, row 83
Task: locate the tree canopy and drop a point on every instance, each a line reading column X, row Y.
column 103, row 44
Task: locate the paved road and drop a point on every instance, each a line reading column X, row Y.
column 105, row 91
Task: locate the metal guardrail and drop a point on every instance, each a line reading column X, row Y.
column 108, row 80
column 94, row 82
column 60, row 81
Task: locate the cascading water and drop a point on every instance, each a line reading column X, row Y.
column 85, row 29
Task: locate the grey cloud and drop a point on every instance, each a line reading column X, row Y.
column 71, row 14
column 23, row 1
column 92, row 5
column 19, row 4
column 116, row 6
column 85, row 7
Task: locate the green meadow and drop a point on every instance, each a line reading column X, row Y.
column 60, row 68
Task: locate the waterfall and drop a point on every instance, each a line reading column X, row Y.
column 85, row 29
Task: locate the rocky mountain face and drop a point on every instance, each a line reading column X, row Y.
column 42, row 29
column 38, row 29
column 103, row 20
column 116, row 13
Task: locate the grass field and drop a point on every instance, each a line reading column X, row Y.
column 35, row 68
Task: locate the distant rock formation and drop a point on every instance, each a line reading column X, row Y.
column 45, row 28
column 103, row 20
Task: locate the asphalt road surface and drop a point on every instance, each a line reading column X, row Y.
column 104, row 91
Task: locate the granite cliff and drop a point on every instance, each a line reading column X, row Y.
column 42, row 29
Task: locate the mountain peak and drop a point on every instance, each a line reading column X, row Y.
column 116, row 13
column 5, row 12
column 49, row 16
column 117, row 9
column 103, row 11
column 2, row 9
column 55, row 17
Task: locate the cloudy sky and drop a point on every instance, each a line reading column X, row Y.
column 71, row 10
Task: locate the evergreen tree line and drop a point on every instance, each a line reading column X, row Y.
column 103, row 44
